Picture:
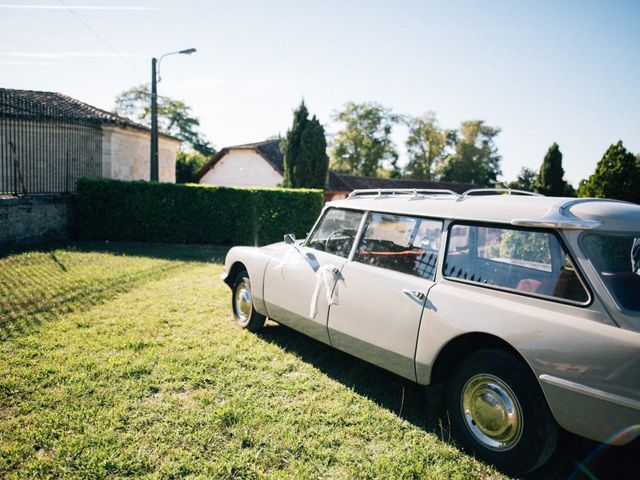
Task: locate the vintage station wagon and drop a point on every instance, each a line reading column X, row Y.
column 525, row 308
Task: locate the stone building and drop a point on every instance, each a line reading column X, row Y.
column 48, row 140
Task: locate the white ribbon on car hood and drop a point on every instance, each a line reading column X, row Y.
column 327, row 275
column 291, row 257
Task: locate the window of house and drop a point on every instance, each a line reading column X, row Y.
column 336, row 232
column 404, row 244
column 528, row 261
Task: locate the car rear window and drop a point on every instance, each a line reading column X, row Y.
column 532, row 262
column 617, row 260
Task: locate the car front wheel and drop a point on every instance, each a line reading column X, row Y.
column 498, row 412
column 242, row 303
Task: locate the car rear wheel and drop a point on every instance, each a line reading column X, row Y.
column 242, row 303
column 498, row 412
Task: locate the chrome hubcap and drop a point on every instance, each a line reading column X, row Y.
column 491, row 412
column 243, row 302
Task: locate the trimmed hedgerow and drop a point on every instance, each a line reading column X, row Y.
column 164, row 212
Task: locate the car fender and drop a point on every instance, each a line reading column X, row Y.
column 255, row 261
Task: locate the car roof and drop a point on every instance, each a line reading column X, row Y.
column 524, row 210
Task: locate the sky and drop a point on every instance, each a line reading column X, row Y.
column 543, row 72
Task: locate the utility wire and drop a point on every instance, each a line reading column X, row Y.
column 100, row 37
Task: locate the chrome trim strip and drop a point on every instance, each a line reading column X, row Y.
column 555, row 223
column 559, row 216
column 590, row 392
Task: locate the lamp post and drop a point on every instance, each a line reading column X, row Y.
column 155, row 65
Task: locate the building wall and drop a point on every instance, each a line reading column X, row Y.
column 126, row 152
column 242, row 168
column 53, row 155
column 35, row 219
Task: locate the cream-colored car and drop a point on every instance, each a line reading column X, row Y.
column 526, row 308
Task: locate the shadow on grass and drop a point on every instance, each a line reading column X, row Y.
column 176, row 252
column 424, row 410
column 39, row 288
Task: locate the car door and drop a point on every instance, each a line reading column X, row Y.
column 299, row 287
column 384, row 290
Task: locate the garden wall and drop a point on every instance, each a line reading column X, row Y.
column 163, row 212
column 35, row 219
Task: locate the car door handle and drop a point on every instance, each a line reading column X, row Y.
column 415, row 295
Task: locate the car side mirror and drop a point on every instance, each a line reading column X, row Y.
column 290, row 239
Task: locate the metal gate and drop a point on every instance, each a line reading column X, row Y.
column 45, row 147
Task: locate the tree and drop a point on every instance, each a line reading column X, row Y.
column 426, row 146
column 292, row 147
column 314, row 148
column 364, row 143
column 522, row 245
column 305, row 152
column 188, row 165
column 617, row 175
column 174, row 116
column 551, row 177
column 476, row 158
column 526, row 180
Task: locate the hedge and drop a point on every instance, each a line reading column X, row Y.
column 164, row 212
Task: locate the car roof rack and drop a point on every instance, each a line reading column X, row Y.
column 414, row 192
column 499, row 191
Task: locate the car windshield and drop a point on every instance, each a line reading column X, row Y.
column 617, row 259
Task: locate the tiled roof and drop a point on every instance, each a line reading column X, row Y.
column 32, row 104
column 271, row 151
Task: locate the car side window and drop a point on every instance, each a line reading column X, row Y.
column 528, row 261
column 336, row 232
column 404, row 244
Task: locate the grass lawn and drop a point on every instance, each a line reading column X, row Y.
column 121, row 360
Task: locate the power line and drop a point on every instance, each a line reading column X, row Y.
column 100, row 37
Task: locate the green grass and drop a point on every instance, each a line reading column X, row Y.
column 123, row 360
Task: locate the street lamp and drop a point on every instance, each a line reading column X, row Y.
column 155, row 65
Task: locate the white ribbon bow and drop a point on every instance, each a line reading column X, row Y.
column 328, row 276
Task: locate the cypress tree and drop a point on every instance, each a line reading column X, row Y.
column 314, row 161
column 292, row 146
column 550, row 179
column 305, row 152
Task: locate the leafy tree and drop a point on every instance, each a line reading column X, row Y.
column 174, row 116
column 188, row 165
column 551, row 177
column 395, row 171
column 617, row 175
column 364, row 143
column 521, row 245
column 476, row 157
column 426, row 146
column 526, row 180
column 305, row 152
